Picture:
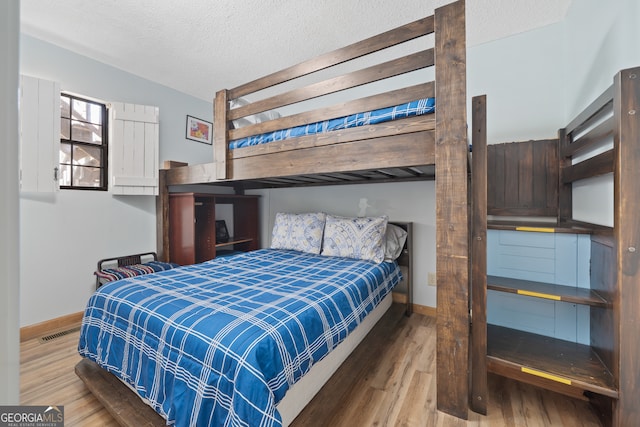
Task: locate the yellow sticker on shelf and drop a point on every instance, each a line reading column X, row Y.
column 539, row 295
column 546, row 376
column 537, row 229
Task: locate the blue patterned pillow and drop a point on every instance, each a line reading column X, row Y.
column 360, row 238
column 299, row 232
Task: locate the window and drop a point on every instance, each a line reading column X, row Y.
column 83, row 144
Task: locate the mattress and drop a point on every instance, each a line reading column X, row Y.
column 220, row 343
column 413, row 108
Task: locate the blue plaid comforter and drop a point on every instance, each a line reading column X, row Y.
column 413, row 108
column 220, row 343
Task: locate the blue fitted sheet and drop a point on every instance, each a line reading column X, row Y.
column 413, row 108
column 220, row 343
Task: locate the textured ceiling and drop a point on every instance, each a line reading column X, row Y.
column 201, row 46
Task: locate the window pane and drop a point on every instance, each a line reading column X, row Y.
column 86, row 156
column 65, row 153
column 86, row 177
column 87, row 112
column 65, row 109
column 65, row 175
column 86, row 132
column 83, row 143
column 65, row 128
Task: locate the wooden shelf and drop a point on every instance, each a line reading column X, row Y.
column 193, row 229
column 539, row 226
column 564, row 366
column 547, row 291
column 235, row 241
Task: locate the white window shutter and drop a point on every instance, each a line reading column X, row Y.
column 39, row 135
column 133, row 149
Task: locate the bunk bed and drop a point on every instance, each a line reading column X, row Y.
column 413, row 147
column 529, row 182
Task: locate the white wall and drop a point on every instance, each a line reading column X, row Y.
column 9, row 242
column 410, row 201
column 601, row 39
column 521, row 76
column 63, row 235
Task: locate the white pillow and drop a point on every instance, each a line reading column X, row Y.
column 359, row 238
column 252, row 119
column 299, row 232
column 265, row 116
column 394, row 242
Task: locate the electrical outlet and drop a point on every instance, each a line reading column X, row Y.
column 431, row 279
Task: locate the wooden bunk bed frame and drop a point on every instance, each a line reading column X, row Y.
column 418, row 148
column 606, row 372
column 433, row 146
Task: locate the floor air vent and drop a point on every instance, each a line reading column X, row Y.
column 52, row 337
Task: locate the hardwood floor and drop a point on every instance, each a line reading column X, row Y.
column 389, row 380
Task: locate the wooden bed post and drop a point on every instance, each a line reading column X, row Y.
column 221, row 140
column 452, row 228
column 479, row 388
column 627, row 236
column 162, row 217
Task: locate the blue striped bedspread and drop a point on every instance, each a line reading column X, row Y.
column 220, row 343
column 413, row 108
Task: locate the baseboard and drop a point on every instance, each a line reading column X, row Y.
column 417, row 308
column 48, row 326
column 425, row 310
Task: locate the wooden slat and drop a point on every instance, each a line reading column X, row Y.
column 372, row 74
column 452, row 245
column 193, row 174
column 495, row 186
column 532, row 224
column 399, row 151
column 525, row 181
column 162, row 217
column 394, row 127
column 598, row 165
column 420, row 173
column 593, row 137
column 627, row 236
column 570, row 294
column 346, row 176
column 221, row 135
column 479, row 391
column 394, row 97
column 378, row 42
column 565, row 191
column 592, row 109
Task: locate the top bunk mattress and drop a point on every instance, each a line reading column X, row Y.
column 381, row 115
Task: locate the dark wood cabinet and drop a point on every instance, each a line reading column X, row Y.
column 192, row 226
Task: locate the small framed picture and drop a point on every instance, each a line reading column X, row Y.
column 199, row 130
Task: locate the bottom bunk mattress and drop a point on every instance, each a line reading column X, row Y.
column 220, row 343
